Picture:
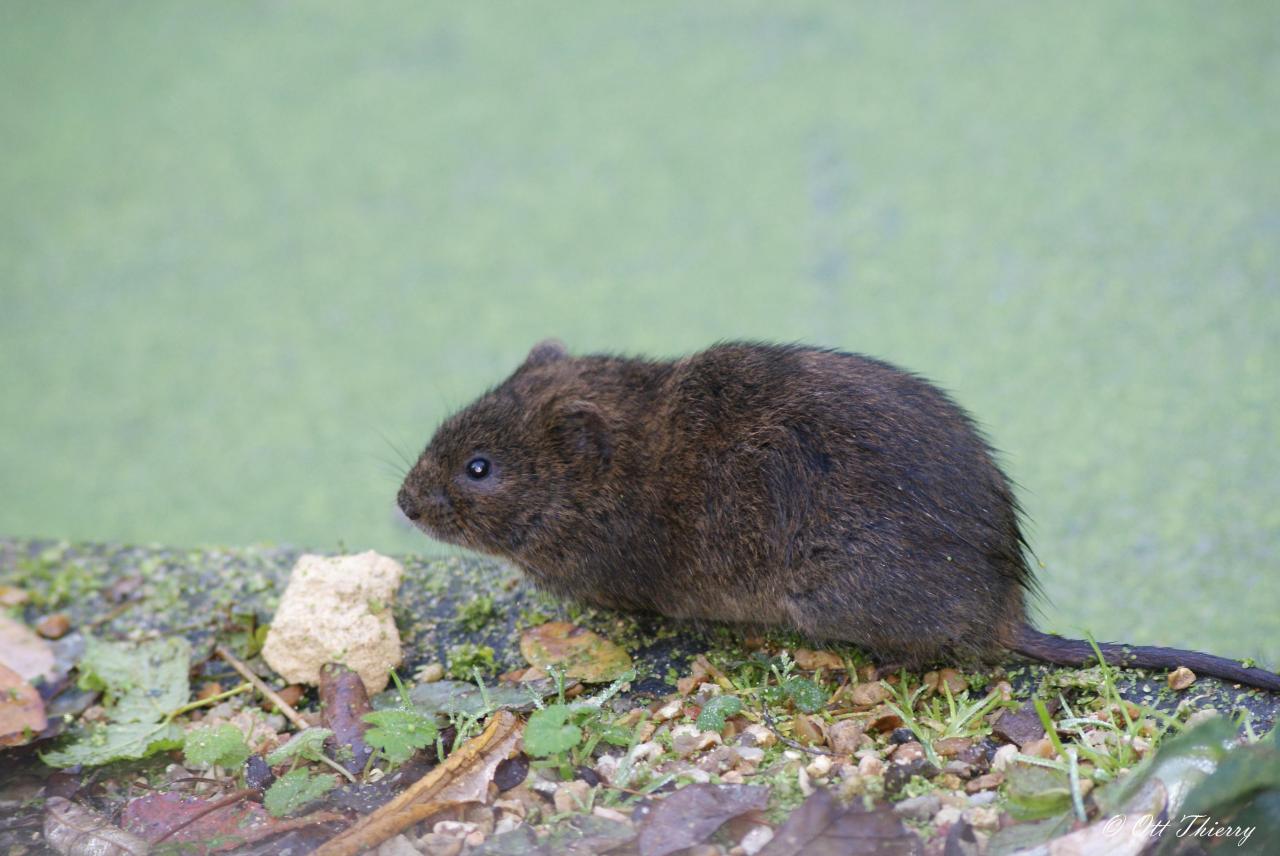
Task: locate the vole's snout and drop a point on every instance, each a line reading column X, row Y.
column 407, row 504
column 416, row 506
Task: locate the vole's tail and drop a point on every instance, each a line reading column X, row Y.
column 1076, row 652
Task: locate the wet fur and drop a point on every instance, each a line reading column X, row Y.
column 754, row 483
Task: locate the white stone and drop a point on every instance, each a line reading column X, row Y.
column 337, row 609
column 755, row 840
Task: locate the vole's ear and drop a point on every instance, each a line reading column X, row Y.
column 546, row 351
column 583, row 435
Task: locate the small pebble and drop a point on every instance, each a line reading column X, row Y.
column 985, row 783
column 1004, row 757
column 982, row 817
column 670, row 710
column 454, row 828
column 610, row 814
column 908, row 752
column 755, row 840
column 13, row 596
column 430, row 673
column 946, row 815
column 807, row 730
column 920, row 808
column 396, row 846
column 1042, row 748
column 871, row 766
column 53, row 626
column 869, row 695
column 513, row 771
column 572, row 796
column 845, row 736
column 982, row 798
column 949, row 747
column 435, row 844
column 1202, row 716
column 952, row 680
column 819, row 767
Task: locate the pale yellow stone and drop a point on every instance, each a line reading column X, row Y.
column 337, row 609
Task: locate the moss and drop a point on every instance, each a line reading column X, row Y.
column 467, row 657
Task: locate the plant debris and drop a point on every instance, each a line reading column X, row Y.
column 726, row 745
column 694, row 814
column 577, row 652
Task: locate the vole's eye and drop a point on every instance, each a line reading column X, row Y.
column 478, row 468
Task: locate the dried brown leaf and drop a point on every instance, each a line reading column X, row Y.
column 23, row 651
column 74, row 830
column 208, row 825
column 21, row 709
column 692, row 814
column 343, row 704
column 821, row 826
column 582, row 654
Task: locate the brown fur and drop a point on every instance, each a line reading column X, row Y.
column 767, row 484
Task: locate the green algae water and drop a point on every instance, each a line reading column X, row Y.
column 250, row 254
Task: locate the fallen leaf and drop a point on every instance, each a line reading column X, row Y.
column 115, row 741
column 142, row 682
column 458, row 697
column 821, row 826
column 295, row 790
column 1036, row 792
column 588, row 835
column 1020, row 726
column 693, row 814
column 463, row 777
column 74, row 830
column 343, row 705
column 22, row 714
column 549, row 731
column 23, row 651
column 201, row 825
column 582, row 655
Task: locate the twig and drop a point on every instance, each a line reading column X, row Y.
column 451, row 782
column 287, row 709
column 115, row 612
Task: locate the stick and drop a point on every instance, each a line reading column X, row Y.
column 287, row 709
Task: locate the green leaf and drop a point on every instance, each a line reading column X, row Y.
column 715, row 711
column 398, row 733
column 805, row 694
column 115, row 741
column 307, row 745
column 549, row 732
column 455, row 698
column 142, row 683
column 294, row 790
column 1037, row 792
column 1244, row 774
column 221, row 746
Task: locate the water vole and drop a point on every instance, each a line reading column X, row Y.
column 767, row 484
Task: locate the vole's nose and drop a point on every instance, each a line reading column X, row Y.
column 407, row 504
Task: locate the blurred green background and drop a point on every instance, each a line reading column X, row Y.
column 246, row 249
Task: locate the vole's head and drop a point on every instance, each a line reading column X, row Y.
column 512, row 465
